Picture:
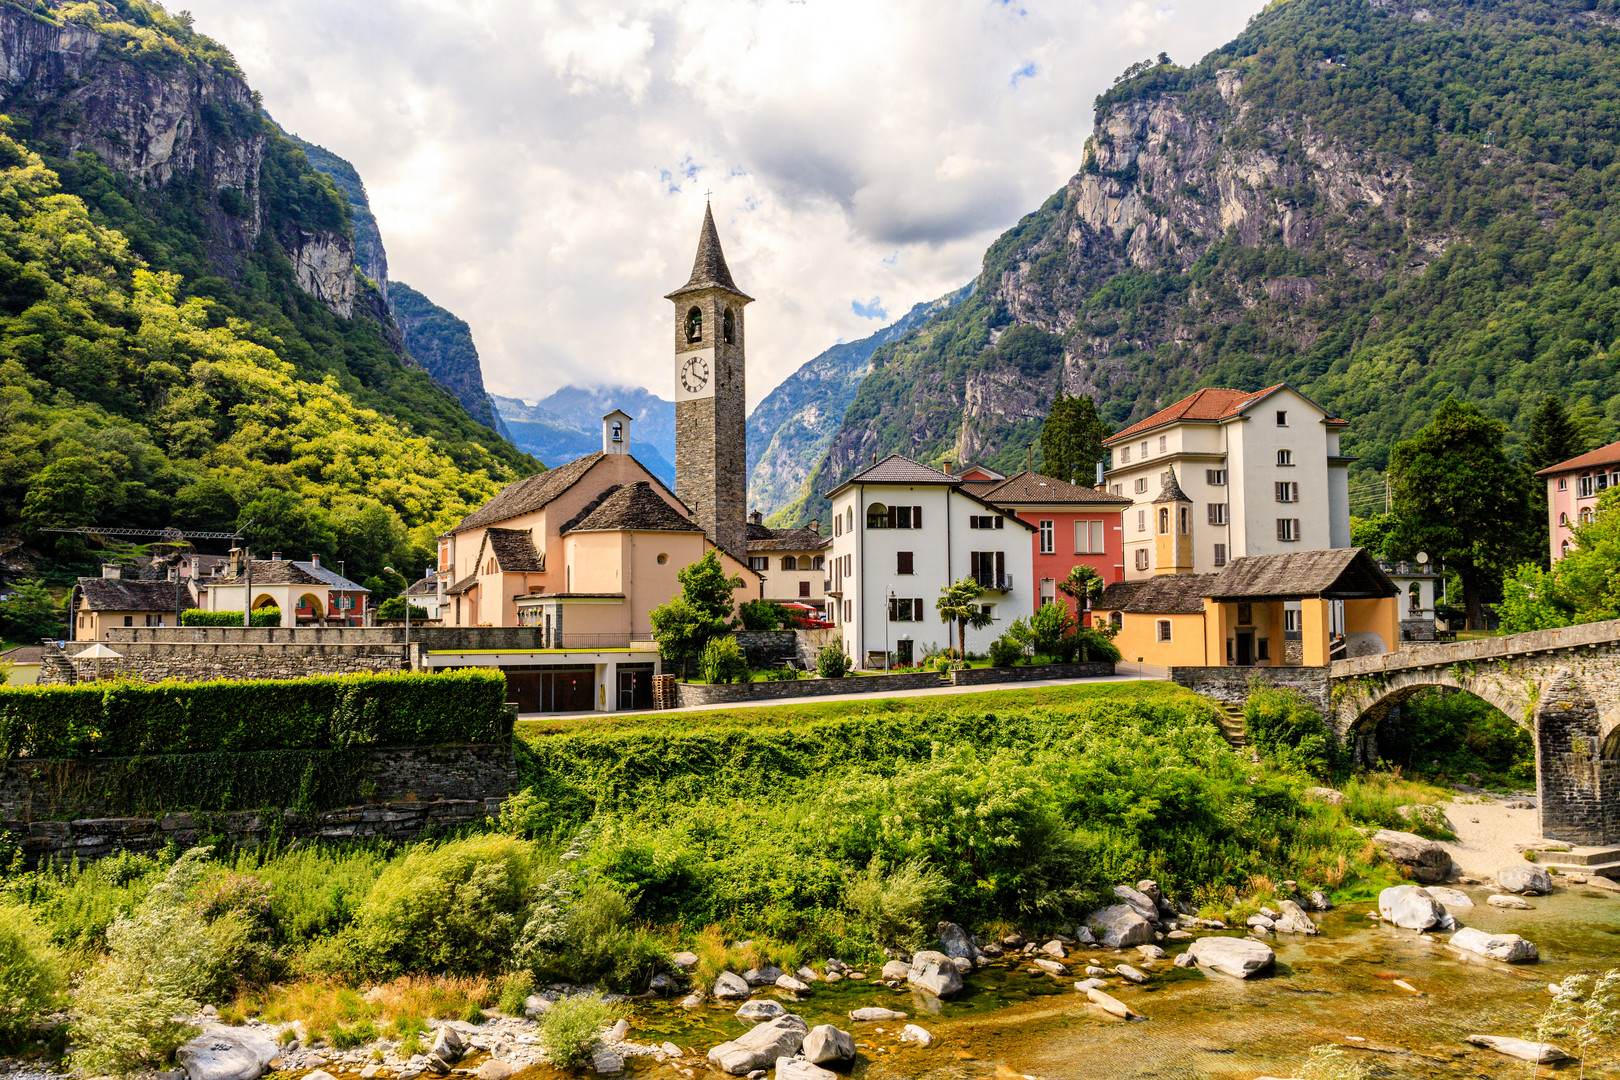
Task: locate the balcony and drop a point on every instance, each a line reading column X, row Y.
column 1002, row 583
column 832, row 588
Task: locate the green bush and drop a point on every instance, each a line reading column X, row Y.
column 898, row 907
column 1090, row 646
column 723, row 661
column 31, row 972
column 455, row 907
column 513, row 996
column 1005, row 652
column 261, row 617
column 1286, row 728
column 570, row 1029
column 764, row 615
column 832, row 662
column 129, row 718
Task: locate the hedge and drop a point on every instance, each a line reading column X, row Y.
column 197, row 617
column 322, row 712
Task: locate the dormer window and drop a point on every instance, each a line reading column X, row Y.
column 694, row 325
column 728, row 327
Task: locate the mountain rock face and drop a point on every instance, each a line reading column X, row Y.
column 1380, row 202
column 369, row 254
column 442, row 344
column 568, row 425
column 790, row 429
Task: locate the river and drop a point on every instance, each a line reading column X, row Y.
column 1336, row 988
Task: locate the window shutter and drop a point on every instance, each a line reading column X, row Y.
column 1293, row 492
column 1001, row 565
column 1097, row 537
column 1297, row 533
column 1211, row 509
column 916, row 609
column 1282, row 525
column 916, row 517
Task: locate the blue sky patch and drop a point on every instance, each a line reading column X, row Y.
column 1025, row 72
column 872, row 309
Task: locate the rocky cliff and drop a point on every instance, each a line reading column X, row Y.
column 1380, row 202
column 442, row 345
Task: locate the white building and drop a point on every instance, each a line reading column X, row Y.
column 1262, row 471
column 902, row 532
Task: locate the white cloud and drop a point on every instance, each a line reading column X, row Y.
column 539, row 167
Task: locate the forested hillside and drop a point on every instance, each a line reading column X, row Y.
column 184, row 337
column 1385, row 203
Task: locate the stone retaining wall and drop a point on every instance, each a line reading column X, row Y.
column 1033, row 673
column 689, row 694
column 1230, row 685
column 766, row 648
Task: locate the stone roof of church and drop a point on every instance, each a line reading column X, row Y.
column 764, row 538
column 634, row 507
column 709, row 269
column 514, row 551
column 530, row 493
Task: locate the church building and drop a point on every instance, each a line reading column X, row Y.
column 580, row 555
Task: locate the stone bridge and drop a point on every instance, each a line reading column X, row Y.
column 1563, row 685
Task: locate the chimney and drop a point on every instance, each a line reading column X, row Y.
column 316, row 559
column 756, row 518
column 111, row 570
column 945, row 466
column 275, row 556
column 874, row 457
column 233, row 561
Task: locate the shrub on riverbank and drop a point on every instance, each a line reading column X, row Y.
column 32, row 976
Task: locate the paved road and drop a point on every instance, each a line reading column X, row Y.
column 1135, row 674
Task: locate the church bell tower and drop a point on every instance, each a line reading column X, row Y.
column 711, row 418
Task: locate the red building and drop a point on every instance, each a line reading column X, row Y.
column 1074, row 526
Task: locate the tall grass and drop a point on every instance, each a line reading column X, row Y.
column 1373, row 799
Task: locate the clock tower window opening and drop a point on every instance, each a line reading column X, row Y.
column 728, row 327
column 694, row 325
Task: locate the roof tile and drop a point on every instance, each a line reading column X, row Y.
column 1603, row 455
column 1030, row 487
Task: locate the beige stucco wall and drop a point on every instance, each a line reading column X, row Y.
column 1137, row 639
column 783, row 585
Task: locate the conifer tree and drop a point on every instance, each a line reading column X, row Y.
column 1553, row 436
column 1071, row 439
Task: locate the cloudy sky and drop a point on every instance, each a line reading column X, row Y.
column 539, row 168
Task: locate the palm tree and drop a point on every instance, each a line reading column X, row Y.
column 959, row 603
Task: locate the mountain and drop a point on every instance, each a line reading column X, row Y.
column 791, row 428
column 1383, row 202
column 568, row 425
column 185, row 336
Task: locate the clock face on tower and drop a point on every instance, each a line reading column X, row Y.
column 694, row 375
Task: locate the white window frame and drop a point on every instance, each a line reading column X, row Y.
column 1089, row 537
column 1285, row 458
column 1142, row 558
column 1048, row 537
column 1141, row 485
column 1286, row 491
column 1217, row 513
column 1215, row 477
column 1141, row 521
column 1288, row 530
column 1282, row 417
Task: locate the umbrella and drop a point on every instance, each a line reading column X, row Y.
column 98, row 652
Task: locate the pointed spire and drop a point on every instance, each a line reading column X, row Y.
column 709, row 269
column 1171, row 491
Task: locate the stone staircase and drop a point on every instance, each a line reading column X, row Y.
column 1231, row 721
column 1602, row 861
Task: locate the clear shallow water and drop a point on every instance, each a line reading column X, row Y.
column 1208, row 1027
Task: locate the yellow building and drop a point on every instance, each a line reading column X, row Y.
column 100, row 604
column 1237, row 618
column 792, row 562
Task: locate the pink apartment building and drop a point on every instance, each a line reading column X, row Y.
column 1573, row 489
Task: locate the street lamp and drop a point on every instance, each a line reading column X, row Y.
column 407, row 596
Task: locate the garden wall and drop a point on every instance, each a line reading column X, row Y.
column 690, row 694
column 1230, row 685
column 766, row 648
column 1033, row 673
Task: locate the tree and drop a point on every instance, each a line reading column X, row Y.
column 1554, row 436
column 1459, row 497
column 394, row 608
column 285, row 521
column 959, row 603
column 1083, row 584
column 1374, row 534
column 700, row 611
column 1530, row 601
column 30, row 613
column 1072, row 438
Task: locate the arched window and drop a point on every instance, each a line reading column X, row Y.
column 790, row 562
column 1164, row 521
column 849, row 519
column 1186, row 521
column 1118, row 619
column 618, row 431
column 1563, row 549
column 877, row 516
column 1414, row 593
column 694, row 325
column 728, row 327
column 818, row 563
column 1586, row 515
column 1563, row 518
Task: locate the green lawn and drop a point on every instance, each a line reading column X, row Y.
column 770, row 715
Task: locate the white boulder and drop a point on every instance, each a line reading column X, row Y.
column 760, row 1047
column 1508, row 948
column 227, row 1053
column 1241, row 958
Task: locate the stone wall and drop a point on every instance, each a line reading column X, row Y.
column 1230, row 685
column 690, row 694
column 766, row 648
column 1574, row 798
column 1034, row 673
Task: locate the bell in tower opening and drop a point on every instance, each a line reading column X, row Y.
column 711, row 418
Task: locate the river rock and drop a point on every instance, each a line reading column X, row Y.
column 808, row 974
column 1318, row 901
column 765, row 976
column 911, row 1033
column 1262, row 922
column 1425, row 860
column 1530, row 880
column 760, row 1047
column 694, row 1000
column 1426, row 814
column 535, row 1005
column 1094, row 972
column 1293, row 920
column 1131, row 974
column 1054, row 949
column 1120, row 927
column 1051, row 967
column 686, row 961
column 1450, row 897
column 934, row 972
column 1508, row 948
column 799, row 1069
column 1411, row 906
column 1088, row 984
column 729, row 987
column 450, row 1046
column 873, row 1012
column 491, row 1069
column 895, row 971
column 1186, row 960
column 1111, row 1004
column 1241, row 958
column 1324, row 795
column 1523, row 1049
column 227, row 1053
column 607, row 1062
column 954, row 941
column 1507, row 900
column 1139, row 902
column 828, row 1045
column 761, row 1009
column 1153, row 952
column 792, row 985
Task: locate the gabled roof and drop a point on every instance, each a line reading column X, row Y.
column 329, row 577
column 1032, row 487
column 528, row 494
column 1603, row 455
column 115, row 594
column 802, row 539
column 428, row 586
column 1209, row 405
column 896, row 469
column 275, row 572
column 465, row 585
column 1166, row 594
column 709, row 269
column 1334, row 573
column 631, row 507
column 514, row 551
